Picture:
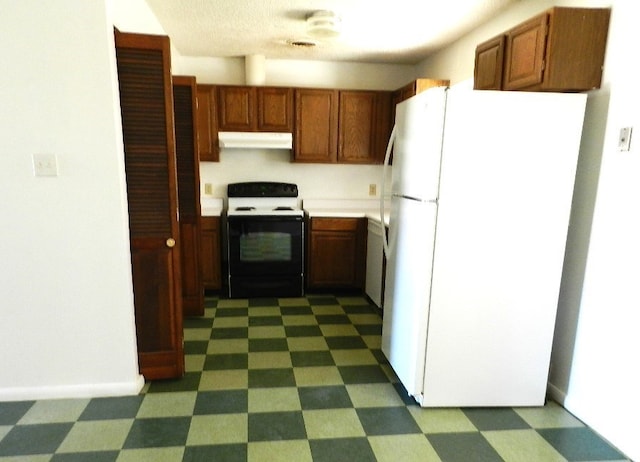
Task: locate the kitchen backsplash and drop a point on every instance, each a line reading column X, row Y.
column 325, row 181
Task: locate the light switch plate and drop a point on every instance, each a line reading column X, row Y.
column 45, row 165
column 624, row 142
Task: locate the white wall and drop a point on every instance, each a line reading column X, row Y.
column 595, row 353
column 66, row 297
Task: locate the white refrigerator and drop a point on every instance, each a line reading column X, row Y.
column 481, row 192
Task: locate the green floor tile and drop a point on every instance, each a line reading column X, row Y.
column 268, row 344
column 311, row 358
column 221, row 402
column 93, row 456
column 495, row 419
column 463, row 447
column 221, row 452
column 12, row 412
column 342, row 450
column 578, row 444
column 266, row 378
column 226, row 361
column 276, row 426
column 387, row 421
column 330, row 397
column 158, row 432
column 34, row 439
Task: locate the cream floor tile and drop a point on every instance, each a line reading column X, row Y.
column 327, row 309
column 299, row 320
column 264, row 311
column 405, row 448
column 279, row 451
column 269, row 360
column 224, row 380
column 359, row 319
column 446, row 420
column 317, row 376
column 231, row 321
column 522, row 446
column 232, row 345
column 267, row 332
column 218, row 429
column 338, row 330
column 374, row 395
column 173, row 454
column 233, row 303
column 197, row 334
column 353, row 357
column 552, row 415
column 97, row 435
column 193, row 363
column 307, row 344
column 274, row 399
column 54, row 411
column 169, row 404
column 332, row 423
column 372, row 341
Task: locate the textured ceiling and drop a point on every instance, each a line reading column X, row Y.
column 375, row 31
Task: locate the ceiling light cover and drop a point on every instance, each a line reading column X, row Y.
column 324, row 24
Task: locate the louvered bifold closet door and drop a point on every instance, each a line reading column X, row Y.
column 146, row 101
column 184, row 103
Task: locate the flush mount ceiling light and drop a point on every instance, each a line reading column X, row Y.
column 323, row 24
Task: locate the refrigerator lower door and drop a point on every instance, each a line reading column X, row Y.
column 407, row 290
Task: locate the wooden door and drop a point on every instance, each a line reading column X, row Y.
column 316, row 125
column 146, row 102
column 207, row 126
column 188, row 166
column 489, row 64
column 211, row 271
column 357, row 127
column 525, row 49
column 236, row 108
column 275, row 109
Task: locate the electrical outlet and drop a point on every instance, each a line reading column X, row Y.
column 373, row 189
column 208, row 188
column 624, row 141
column 45, row 165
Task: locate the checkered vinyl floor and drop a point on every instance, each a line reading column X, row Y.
column 287, row 380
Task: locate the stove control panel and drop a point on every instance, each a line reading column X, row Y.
column 262, row 189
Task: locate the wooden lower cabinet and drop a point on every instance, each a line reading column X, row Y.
column 336, row 254
column 211, row 261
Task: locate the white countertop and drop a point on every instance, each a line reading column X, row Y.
column 345, row 208
column 210, row 206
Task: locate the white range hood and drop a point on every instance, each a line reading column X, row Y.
column 255, row 140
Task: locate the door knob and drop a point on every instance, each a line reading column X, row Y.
column 171, row 242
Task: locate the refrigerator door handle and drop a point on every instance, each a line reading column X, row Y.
column 387, row 157
column 417, row 199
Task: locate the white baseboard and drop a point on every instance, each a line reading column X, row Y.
column 90, row 390
column 556, row 393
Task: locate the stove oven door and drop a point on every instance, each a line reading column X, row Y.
column 266, row 256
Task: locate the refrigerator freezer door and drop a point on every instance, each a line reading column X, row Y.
column 418, row 144
column 407, row 289
column 508, row 168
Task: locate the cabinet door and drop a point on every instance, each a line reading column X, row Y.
column 146, row 98
column 316, row 125
column 489, row 64
column 236, row 108
column 337, row 253
column 188, row 168
column 525, row 53
column 357, row 127
column 207, row 123
column 384, row 124
column 275, row 109
column 210, row 238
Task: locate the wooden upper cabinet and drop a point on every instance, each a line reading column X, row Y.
column 275, row 109
column 207, row 123
column 316, row 125
column 413, row 88
column 236, row 108
column 357, row 127
column 249, row 109
column 489, row 64
column 561, row 49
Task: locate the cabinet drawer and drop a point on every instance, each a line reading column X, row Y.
column 334, row 224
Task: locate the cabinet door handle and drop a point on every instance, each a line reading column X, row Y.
column 171, row 242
